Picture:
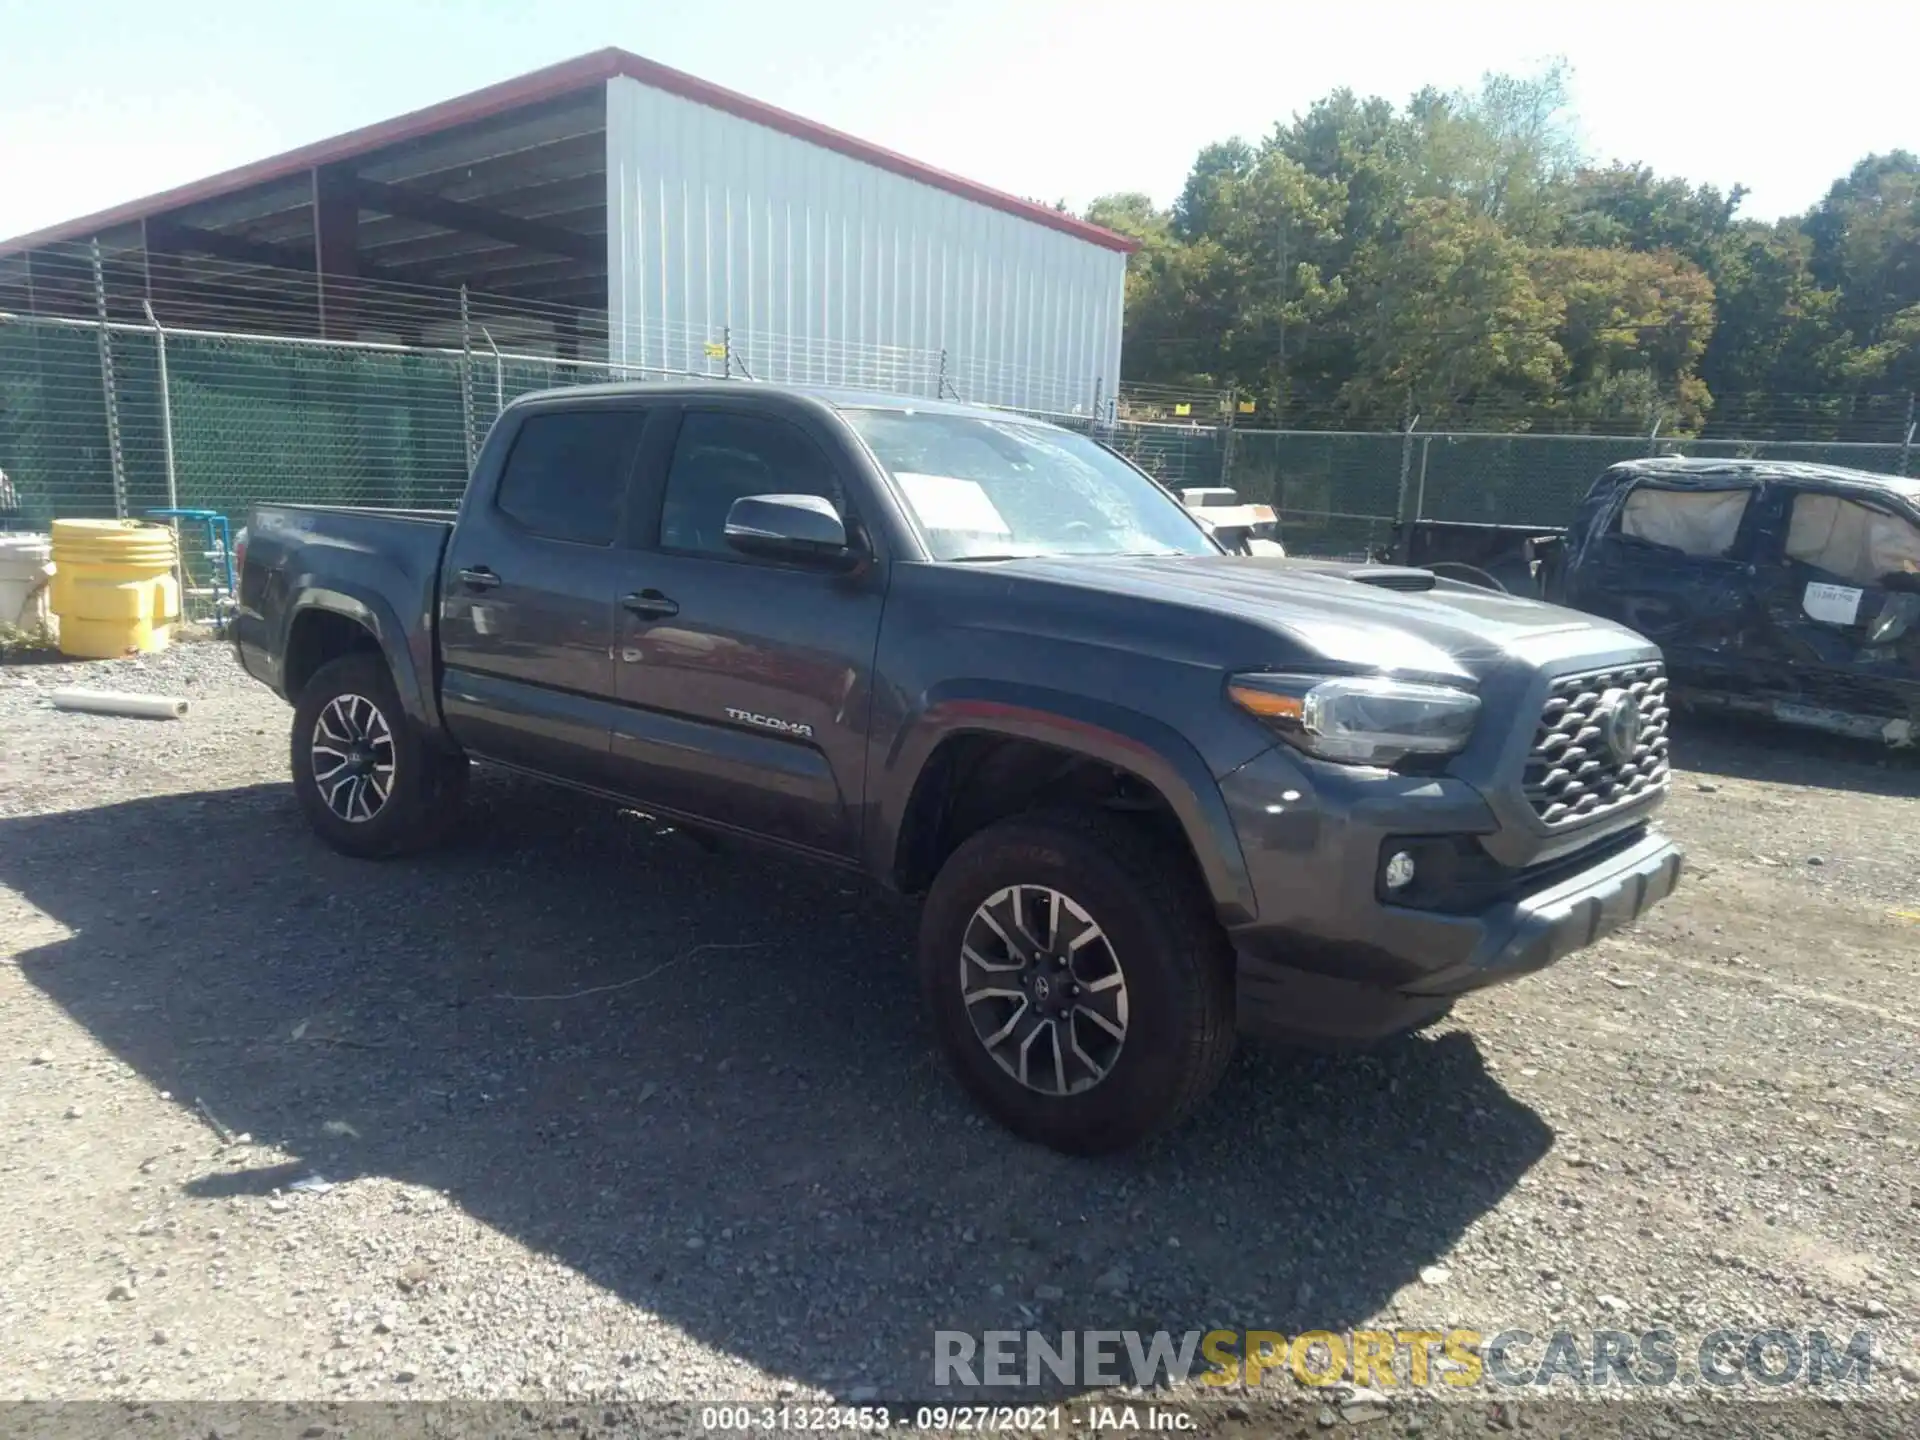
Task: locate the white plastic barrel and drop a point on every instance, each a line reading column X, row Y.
column 25, row 565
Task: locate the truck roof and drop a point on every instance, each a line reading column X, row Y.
column 1714, row 473
column 841, row 399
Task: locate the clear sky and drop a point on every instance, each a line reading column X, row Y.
column 107, row 100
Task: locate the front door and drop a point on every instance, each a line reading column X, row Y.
column 527, row 595
column 1674, row 564
column 744, row 683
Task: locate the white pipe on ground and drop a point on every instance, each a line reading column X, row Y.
column 117, row 702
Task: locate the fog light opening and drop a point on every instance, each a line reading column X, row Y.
column 1399, row 871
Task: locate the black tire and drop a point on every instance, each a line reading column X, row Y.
column 426, row 786
column 1177, row 964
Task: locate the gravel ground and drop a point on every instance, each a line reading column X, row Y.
column 607, row 1113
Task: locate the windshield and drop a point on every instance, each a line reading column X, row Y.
column 994, row 489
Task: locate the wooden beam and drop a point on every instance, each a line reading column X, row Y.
column 478, row 220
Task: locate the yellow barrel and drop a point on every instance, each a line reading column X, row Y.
column 113, row 587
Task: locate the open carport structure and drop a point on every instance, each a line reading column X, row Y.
column 611, row 208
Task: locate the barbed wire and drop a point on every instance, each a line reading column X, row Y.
column 79, row 282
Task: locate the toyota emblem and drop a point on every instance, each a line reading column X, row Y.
column 1618, row 715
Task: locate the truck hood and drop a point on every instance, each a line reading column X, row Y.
column 1450, row 629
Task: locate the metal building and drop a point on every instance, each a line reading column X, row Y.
column 612, row 209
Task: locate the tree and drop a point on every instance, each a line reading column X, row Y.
column 1277, row 241
column 1201, row 207
column 1865, row 239
column 1627, row 207
column 1134, row 215
column 1633, row 329
column 1503, row 150
column 1778, row 355
column 1364, row 146
column 1452, row 326
column 1455, row 255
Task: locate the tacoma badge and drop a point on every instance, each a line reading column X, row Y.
column 770, row 722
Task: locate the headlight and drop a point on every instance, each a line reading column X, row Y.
column 1359, row 719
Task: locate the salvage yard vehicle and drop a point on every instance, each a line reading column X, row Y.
column 1154, row 793
column 1774, row 588
column 1786, row 590
column 1240, row 529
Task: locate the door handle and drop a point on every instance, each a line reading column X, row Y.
column 651, row 604
column 479, row 577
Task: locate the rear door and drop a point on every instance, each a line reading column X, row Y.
column 528, row 588
column 1674, row 564
column 1838, row 579
column 744, row 684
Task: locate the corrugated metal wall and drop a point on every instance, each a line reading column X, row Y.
column 823, row 269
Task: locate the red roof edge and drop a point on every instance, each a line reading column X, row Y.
column 545, row 84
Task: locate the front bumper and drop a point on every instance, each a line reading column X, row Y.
column 1530, row 933
column 1328, row 958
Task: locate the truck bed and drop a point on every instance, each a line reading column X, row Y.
column 373, row 560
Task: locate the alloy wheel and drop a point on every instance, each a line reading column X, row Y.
column 1043, row 989
column 352, row 758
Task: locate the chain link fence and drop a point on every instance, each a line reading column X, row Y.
column 109, row 417
column 1341, row 493
column 85, row 408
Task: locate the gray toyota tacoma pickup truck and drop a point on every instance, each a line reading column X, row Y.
column 1154, row 793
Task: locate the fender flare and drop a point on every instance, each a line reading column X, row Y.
column 1144, row 747
column 376, row 616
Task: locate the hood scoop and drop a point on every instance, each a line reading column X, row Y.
column 1386, row 577
column 1392, row 577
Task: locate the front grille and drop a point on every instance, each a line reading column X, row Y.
column 1572, row 772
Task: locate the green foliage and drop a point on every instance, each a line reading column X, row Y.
column 1458, row 325
column 1632, row 328
column 1453, row 258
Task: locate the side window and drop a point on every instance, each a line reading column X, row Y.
column 567, row 472
column 1694, row 522
column 1853, row 541
column 722, row 457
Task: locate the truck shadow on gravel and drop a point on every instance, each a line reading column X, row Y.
column 735, row 1121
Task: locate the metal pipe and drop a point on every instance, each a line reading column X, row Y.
column 499, row 383
column 166, row 442
column 1420, row 495
column 119, row 702
column 1406, row 475
column 166, row 406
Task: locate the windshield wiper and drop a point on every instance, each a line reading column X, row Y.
column 981, row 559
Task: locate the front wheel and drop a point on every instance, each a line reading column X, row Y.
column 1077, row 980
column 366, row 781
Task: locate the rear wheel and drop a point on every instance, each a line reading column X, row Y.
column 366, row 781
column 1078, row 982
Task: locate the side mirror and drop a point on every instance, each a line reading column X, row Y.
column 803, row 529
